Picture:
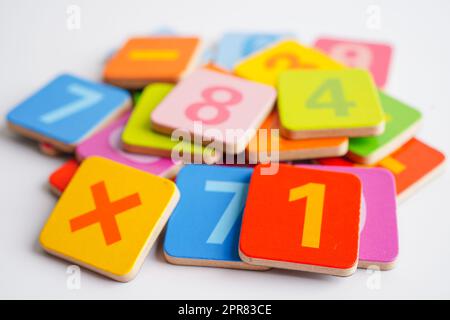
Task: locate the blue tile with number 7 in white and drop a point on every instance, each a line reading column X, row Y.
column 204, row 229
column 67, row 110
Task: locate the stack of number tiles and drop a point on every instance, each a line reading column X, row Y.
column 323, row 156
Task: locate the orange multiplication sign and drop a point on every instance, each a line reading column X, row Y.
column 104, row 213
column 144, row 60
column 109, row 217
column 302, row 219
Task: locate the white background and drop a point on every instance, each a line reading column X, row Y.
column 35, row 45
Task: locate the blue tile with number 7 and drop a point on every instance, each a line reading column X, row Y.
column 204, row 229
column 67, row 110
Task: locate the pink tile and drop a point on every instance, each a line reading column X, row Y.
column 107, row 143
column 375, row 57
column 216, row 101
column 378, row 226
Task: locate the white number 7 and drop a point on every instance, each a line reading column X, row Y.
column 233, row 210
column 87, row 98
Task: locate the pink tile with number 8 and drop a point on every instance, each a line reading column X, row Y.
column 207, row 103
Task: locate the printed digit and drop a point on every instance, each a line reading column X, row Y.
column 222, row 113
column 87, row 99
column 233, row 210
column 314, row 194
column 290, row 59
column 115, row 144
column 286, row 61
column 337, row 99
column 352, row 55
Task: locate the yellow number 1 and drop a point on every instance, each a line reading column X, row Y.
column 314, row 194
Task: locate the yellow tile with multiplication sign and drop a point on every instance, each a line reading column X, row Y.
column 108, row 217
column 265, row 66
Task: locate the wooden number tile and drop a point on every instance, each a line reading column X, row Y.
column 109, row 217
column 217, row 107
column 107, row 143
column 302, row 219
column 267, row 64
column 414, row 164
column 152, row 59
column 67, row 110
column 204, row 228
column 139, row 135
column 402, row 122
column 375, row 57
column 336, row 103
column 265, row 143
column 378, row 244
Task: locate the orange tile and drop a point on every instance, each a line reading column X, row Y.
column 411, row 164
column 144, row 60
column 296, row 149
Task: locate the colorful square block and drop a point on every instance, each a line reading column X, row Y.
column 413, row 165
column 139, row 135
column 67, row 110
column 61, row 177
column 402, row 122
column 378, row 244
column 329, row 103
column 108, row 218
column 107, row 144
column 262, row 145
column 145, row 60
column 302, row 219
column 235, row 46
column 213, row 106
column 375, row 57
column 166, row 32
column 266, row 65
column 204, row 228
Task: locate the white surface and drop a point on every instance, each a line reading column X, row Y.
column 35, row 45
